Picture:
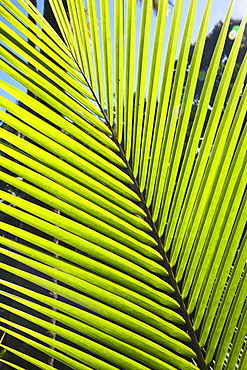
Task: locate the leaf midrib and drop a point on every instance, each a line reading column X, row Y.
column 177, row 293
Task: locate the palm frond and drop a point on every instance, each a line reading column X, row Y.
column 127, row 207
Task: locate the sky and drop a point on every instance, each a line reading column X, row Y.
column 218, row 13
column 219, row 9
